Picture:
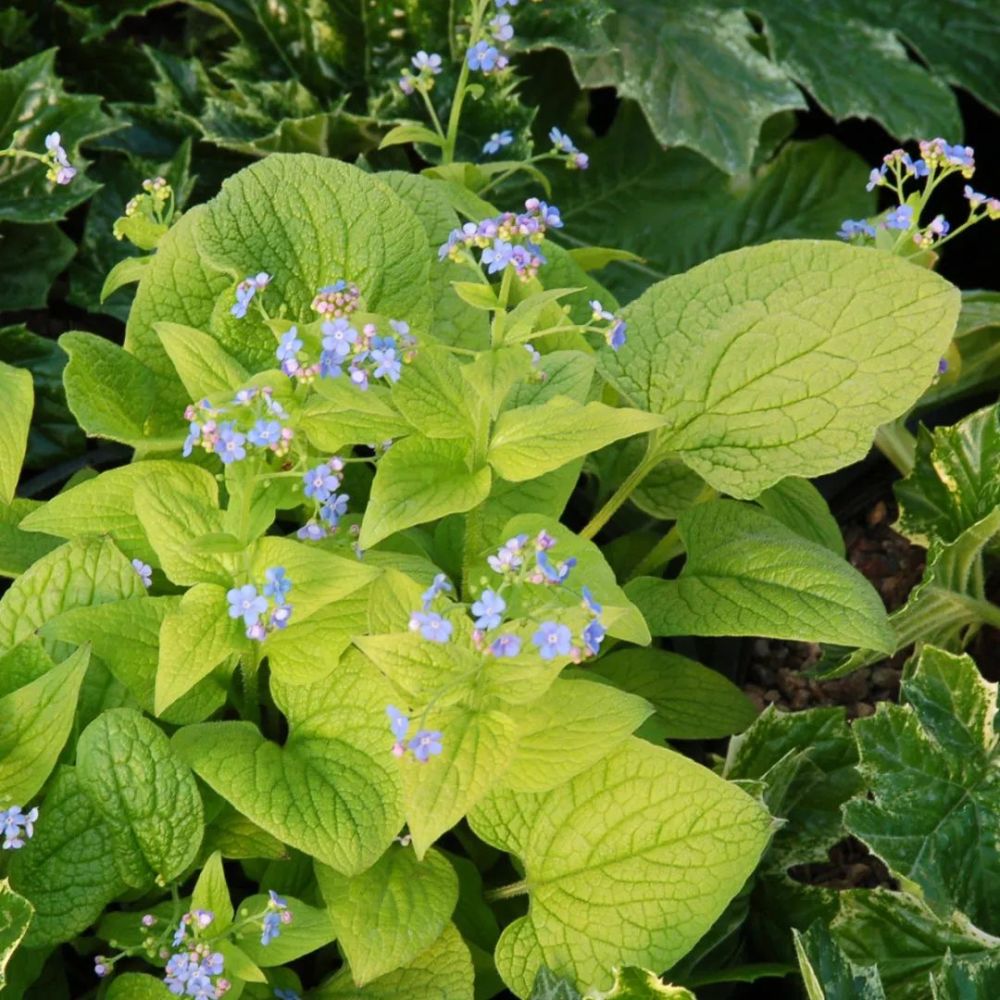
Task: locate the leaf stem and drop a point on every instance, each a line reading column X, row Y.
column 625, row 490
column 507, row 891
column 898, row 445
column 429, row 104
column 455, row 115
column 670, row 545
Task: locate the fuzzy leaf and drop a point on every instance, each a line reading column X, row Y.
column 309, row 930
column 15, row 916
column 15, row 417
column 798, row 505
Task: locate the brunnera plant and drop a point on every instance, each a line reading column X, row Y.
column 329, row 614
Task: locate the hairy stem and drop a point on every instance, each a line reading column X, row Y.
column 507, row 891
column 624, row 491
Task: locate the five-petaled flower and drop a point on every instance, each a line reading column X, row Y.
column 552, row 640
column 497, row 141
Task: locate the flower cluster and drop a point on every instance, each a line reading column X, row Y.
column 256, row 421
column 320, row 485
column 246, row 290
column 196, row 970
column 366, row 354
column 428, row 66
column 507, row 239
column 276, row 914
column 614, row 335
column 144, row 571
column 563, row 145
column 338, row 299
column 152, row 203
column 938, row 159
column 60, row 171
column 424, row 744
column 487, row 53
column 17, row 826
column 264, row 610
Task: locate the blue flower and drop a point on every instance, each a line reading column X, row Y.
column 387, row 364
column 589, row 602
column 246, row 603
column 505, row 3
column 497, row 141
column 440, row 585
column 505, row 645
column 334, row 509
column 425, row 744
column 960, row 156
column 942, row 366
column 278, row 585
column 482, row 56
column 180, row 935
column 398, row 722
column 194, row 435
column 431, row 625
column 561, row 141
column 245, row 396
column 229, row 446
column 497, row 256
column 145, row 572
column 975, row 198
column 592, row 636
column 509, row 556
column 289, row 345
column 900, row 217
column 616, row 336
column 876, row 178
column 501, row 28
column 338, row 336
column 554, row 574
column 939, row 225
column 280, row 616
column 270, row 927
column 319, row 483
column 579, row 161
column 311, row 532
column 17, row 826
column 552, row 640
column 431, row 62
column 850, row 228
column 265, row 433
column 489, row 609
column 245, row 292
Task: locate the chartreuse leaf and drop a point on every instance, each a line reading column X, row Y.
column 762, row 362
column 435, row 398
column 15, row 915
column 827, row 973
column 137, row 986
column 355, row 228
column 332, row 790
column 194, row 639
column 419, row 480
column 82, row 572
column 943, row 738
column 643, row 816
column 114, row 395
column 691, row 701
column 442, row 972
column 532, row 440
column 309, row 930
column 26, row 662
column 35, row 721
column 955, row 481
column 18, row 396
column 212, row 893
column 145, row 793
column 107, row 504
column 572, row 726
column 202, row 365
column 495, row 373
column 67, row 870
column 20, row 549
column 234, row 836
column 175, row 511
column 747, row 574
column 338, row 414
column 385, row 917
column 798, row 505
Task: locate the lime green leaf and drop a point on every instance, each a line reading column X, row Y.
column 114, row 395
column 137, row 986
column 761, row 359
column 476, row 294
column 67, row 870
column 521, row 321
column 828, row 974
column 420, row 480
column 944, row 739
column 571, row 727
column 83, row 572
column 495, row 373
column 145, row 793
column 15, row 915
column 309, row 930
column 691, row 701
column 643, row 815
column 567, row 373
column 798, row 505
column 193, row 640
column 385, row 917
column 202, row 365
column 532, row 440
column 338, row 414
column 435, row 398
column 212, row 893
column 332, row 791
column 239, row 964
column 126, row 272
column 18, row 396
column 410, row 132
column 107, row 504
column 25, row 663
column 747, row 574
column 954, row 483
column 234, row 836
column 35, row 721
column 596, row 258
column 442, row 972
column 20, row 549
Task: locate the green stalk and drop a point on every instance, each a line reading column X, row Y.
column 625, row 490
column 898, row 445
column 455, row 115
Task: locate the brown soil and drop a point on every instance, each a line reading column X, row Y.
column 850, row 867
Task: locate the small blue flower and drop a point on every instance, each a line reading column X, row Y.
column 387, row 364
column 505, row 645
column 398, row 722
column 246, row 603
column 278, row 585
column 554, row 574
column 320, row 483
column 589, row 602
column 960, row 156
column 265, row 433
column 431, row 625
column 194, row 435
column 229, row 446
column 579, row 161
column 850, row 228
column 180, row 935
column 497, row 141
column 482, row 56
column 245, row 396
column 593, row 634
column 440, row 585
column 425, row 744
column 338, row 336
column 289, row 345
column 505, row 3
column 497, row 256
column 501, row 28
column 552, row 640
column 280, row 616
column 942, row 366
column 145, row 572
column 270, row 927
column 939, row 225
column 900, row 217
column 245, row 292
column 616, row 335
column 974, row 198
column 334, row 509
column 16, row 826
column 311, row 532
column 876, row 178
column 431, row 62
column 561, row 141
column 489, row 609
column 509, row 556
